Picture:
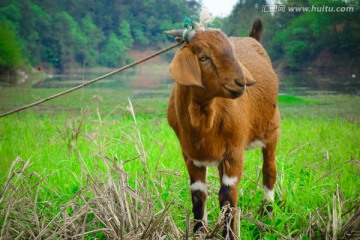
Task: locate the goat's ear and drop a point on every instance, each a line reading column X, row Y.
column 185, row 69
column 249, row 80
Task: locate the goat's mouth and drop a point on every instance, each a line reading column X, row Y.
column 234, row 93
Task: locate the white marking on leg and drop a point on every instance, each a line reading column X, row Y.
column 199, row 186
column 268, row 194
column 198, row 163
column 229, row 181
column 226, row 180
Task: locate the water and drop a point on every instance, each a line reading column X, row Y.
column 69, row 80
column 153, row 81
column 146, row 81
column 308, row 84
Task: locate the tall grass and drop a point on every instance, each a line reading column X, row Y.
column 106, row 174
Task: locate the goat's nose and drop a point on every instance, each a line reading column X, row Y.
column 242, row 83
column 238, row 83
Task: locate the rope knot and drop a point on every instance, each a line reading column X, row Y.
column 189, row 26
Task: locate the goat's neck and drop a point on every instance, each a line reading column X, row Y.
column 201, row 111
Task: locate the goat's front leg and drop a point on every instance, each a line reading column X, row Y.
column 230, row 171
column 269, row 167
column 269, row 176
column 198, row 193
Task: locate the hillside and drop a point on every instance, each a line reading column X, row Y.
column 299, row 39
column 66, row 34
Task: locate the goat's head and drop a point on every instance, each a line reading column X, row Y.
column 208, row 60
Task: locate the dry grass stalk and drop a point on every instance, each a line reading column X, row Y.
column 105, row 206
column 351, row 228
column 328, row 224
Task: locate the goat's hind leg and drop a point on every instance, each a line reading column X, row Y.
column 198, row 193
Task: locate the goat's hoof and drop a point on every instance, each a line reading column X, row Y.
column 266, row 208
column 200, row 228
column 228, row 235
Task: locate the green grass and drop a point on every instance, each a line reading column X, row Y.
column 317, row 156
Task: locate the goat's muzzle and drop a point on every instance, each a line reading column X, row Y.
column 234, row 91
column 237, row 88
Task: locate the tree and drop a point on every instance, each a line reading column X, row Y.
column 95, row 36
column 113, row 51
column 10, row 49
column 70, row 33
column 306, row 34
column 125, row 33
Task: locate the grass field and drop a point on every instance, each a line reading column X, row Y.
column 83, row 167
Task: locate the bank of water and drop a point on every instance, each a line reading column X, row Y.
column 145, row 81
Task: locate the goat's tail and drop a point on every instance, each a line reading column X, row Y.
column 257, row 29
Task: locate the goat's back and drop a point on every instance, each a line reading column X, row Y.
column 262, row 97
column 255, row 58
column 250, row 52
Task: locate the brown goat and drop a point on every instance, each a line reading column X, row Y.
column 216, row 113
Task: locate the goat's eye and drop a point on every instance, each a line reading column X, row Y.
column 204, row 58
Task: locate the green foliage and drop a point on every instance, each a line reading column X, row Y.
column 75, row 33
column 307, row 34
column 112, row 52
column 11, row 12
column 140, row 37
column 78, row 40
column 10, row 49
column 217, row 23
column 297, row 38
column 125, row 33
column 95, row 37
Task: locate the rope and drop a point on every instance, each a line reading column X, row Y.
column 91, row 81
